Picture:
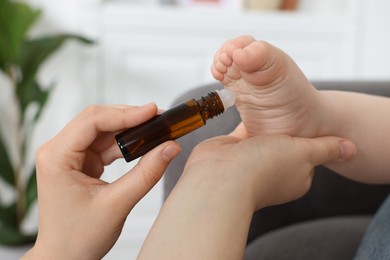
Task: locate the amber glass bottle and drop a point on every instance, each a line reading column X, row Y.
column 173, row 123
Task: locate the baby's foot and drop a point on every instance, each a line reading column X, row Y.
column 273, row 95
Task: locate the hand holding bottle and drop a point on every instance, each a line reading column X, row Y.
column 80, row 216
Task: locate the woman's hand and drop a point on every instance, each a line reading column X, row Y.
column 81, row 216
column 273, row 169
column 226, row 178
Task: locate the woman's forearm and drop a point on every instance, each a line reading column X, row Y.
column 200, row 221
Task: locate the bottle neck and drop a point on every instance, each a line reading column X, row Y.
column 210, row 105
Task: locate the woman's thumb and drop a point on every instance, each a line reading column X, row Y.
column 135, row 184
column 330, row 149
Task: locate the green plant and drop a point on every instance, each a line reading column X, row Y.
column 20, row 60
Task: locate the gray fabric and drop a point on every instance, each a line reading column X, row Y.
column 325, row 239
column 330, row 195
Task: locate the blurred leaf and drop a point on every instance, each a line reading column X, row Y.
column 8, row 215
column 2, row 61
column 10, row 236
column 34, row 53
column 6, row 169
column 15, row 21
column 31, row 190
column 37, row 50
column 21, row 59
column 33, row 93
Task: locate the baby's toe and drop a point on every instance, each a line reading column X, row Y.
column 217, row 74
column 253, row 57
column 219, row 66
column 225, row 59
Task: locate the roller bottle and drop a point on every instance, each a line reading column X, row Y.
column 173, row 123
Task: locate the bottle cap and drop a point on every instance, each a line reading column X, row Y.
column 227, row 97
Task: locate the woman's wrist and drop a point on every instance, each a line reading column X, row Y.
column 220, row 186
column 203, row 208
column 39, row 253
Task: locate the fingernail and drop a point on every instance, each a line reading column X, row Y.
column 347, row 150
column 148, row 104
column 170, row 152
column 160, row 111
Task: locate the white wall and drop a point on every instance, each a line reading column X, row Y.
column 376, row 40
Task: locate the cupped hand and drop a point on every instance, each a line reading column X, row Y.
column 81, row 216
column 267, row 170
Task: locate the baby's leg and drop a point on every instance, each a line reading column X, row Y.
column 273, row 95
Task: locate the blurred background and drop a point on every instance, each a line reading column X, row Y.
column 153, row 50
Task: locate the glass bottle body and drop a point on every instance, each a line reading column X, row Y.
column 170, row 125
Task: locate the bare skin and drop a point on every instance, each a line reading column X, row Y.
column 81, row 216
column 275, row 97
column 226, row 179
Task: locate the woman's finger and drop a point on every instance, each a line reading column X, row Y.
column 82, row 131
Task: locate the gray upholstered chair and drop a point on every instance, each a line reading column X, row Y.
column 327, row 223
